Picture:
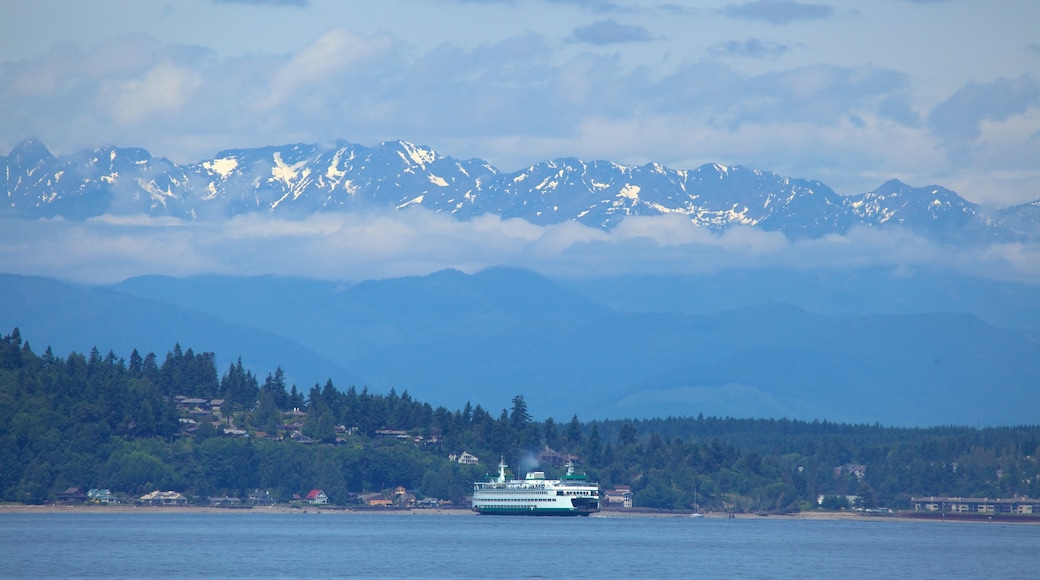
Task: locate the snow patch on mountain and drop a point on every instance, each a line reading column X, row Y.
column 222, row 167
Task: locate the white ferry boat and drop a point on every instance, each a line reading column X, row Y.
column 571, row 495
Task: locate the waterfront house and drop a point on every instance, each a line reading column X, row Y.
column 72, row 495
column 163, row 498
column 316, row 497
column 976, row 505
column 103, row 496
column 261, row 498
column 620, row 496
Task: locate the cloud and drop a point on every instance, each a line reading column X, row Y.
column 750, row 48
column 323, row 61
column 163, row 89
column 778, row 11
column 610, row 31
column 359, row 246
column 957, row 122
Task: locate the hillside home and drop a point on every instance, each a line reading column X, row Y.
column 465, row 458
column 192, row 403
column 550, row 456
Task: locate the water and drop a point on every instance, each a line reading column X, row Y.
column 259, row 545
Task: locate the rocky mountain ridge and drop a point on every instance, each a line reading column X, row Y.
column 301, row 179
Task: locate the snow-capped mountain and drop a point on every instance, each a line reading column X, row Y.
column 302, row 179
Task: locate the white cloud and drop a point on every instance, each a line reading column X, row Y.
column 320, row 64
column 163, row 89
column 358, row 246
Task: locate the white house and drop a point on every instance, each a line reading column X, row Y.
column 465, row 458
column 317, row 497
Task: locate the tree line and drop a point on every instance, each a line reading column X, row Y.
column 101, row 421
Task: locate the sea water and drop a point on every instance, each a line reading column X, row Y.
column 156, row 544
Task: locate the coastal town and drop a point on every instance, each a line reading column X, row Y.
column 98, row 430
column 197, row 411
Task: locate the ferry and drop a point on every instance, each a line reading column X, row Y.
column 571, row 495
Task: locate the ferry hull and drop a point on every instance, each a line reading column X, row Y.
column 523, row 511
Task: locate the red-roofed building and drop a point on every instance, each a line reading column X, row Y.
column 317, row 497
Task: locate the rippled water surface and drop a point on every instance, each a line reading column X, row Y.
column 311, row 545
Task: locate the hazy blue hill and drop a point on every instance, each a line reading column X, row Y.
column 73, row 318
column 913, row 370
column 859, row 346
column 853, row 291
column 269, row 302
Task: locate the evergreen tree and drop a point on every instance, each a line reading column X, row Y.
column 519, row 417
column 593, row 446
column 572, row 435
column 627, row 434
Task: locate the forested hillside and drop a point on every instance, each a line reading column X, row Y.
column 102, row 421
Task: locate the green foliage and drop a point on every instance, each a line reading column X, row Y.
column 96, row 421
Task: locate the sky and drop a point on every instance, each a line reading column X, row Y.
column 848, row 92
column 851, row 93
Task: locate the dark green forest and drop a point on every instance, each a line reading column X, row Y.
column 102, row 421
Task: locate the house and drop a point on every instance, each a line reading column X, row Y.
column 261, row 498
column 225, row 502
column 316, row 497
column 551, row 457
column 465, row 458
column 977, row 505
column 72, row 495
column 103, row 496
column 405, row 499
column 374, row 500
column 620, row 496
column 163, row 498
column 859, row 471
column 192, row 403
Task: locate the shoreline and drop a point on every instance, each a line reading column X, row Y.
column 354, row 511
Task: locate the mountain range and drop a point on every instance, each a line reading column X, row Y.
column 301, row 179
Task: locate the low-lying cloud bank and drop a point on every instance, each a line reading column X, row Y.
column 354, row 247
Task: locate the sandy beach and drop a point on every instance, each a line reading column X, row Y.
column 620, row 513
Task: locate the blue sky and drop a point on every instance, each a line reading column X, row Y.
column 848, row 92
